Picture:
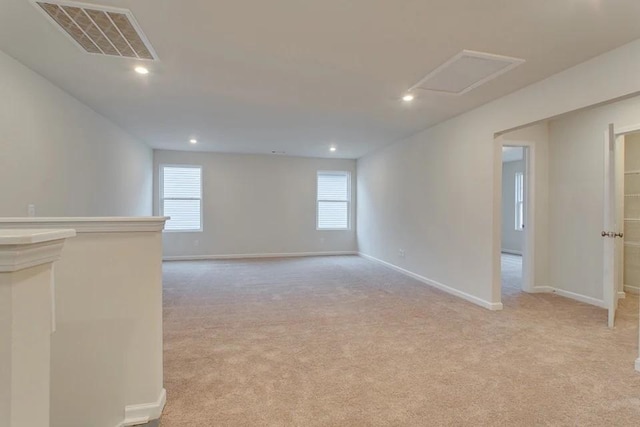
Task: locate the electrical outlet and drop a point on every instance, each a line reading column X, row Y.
column 401, row 253
column 31, row 210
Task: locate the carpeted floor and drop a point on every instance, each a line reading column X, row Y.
column 341, row 341
column 511, row 270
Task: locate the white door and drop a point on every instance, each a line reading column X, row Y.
column 612, row 228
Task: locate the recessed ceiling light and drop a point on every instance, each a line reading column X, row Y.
column 193, row 141
column 332, row 149
column 407, row 98
column 141, row 70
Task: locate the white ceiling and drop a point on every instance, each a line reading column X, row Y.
column 298, row 76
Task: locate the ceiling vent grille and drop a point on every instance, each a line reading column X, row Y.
column 465, row 72
column 100, row 30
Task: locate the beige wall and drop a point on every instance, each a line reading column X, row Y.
column 60, row 155
column 257, row 204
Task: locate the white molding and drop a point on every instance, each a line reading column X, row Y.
column 249, row 256
column 28, row 237
column 635, row 290
column 143, row 413
column 571, row 295
column 89, row 224
column 622, row 295
column 542, row 289
column 460, row 294
column 638, row 364
column 46, row 248
column 582, row 298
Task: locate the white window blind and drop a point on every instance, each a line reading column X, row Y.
column 333, row 208
column 519, row 201
column 181, row 197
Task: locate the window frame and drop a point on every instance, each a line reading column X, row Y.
column 161, row 197
column 348, row 201
column 519, row 201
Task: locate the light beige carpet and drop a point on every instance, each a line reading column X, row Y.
column 340, row 341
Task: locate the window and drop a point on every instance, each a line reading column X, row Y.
column 519, row 201
column 181, row 197
column 334, row 199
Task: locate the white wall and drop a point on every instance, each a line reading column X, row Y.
column 257, row 204
column 437, row 193
column 60, row 155
column 511, row 238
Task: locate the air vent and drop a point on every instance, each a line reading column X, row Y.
column 465, row 72
column 100, row 30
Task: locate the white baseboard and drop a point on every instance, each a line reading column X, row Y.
column 635, row 290
column 582, row 298
column 622, row 295
column 572, row 295
column 542, row 289
column 438, row 285
column 510, row 252
column 248, row 256
column 142, row 414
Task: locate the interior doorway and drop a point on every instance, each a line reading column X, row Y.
column 630, row 213
column 621, row 230
column 513, row 218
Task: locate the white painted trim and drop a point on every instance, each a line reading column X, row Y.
column 635, row 290
column 638, row 364
column 571, row 295
column 622, row 295
column 89, row 224
column 142, row 414
column 248, row 256
column 542, row 289
column 29, row 237
column 16, row 257
column 438, row 285
column 511, row 252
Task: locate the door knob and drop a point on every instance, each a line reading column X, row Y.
column 611, row 234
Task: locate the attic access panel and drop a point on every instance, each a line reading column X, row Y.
column 465, row 72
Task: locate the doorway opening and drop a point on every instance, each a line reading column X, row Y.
column 621, row 231
column 630, row 213
column 514, row 208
